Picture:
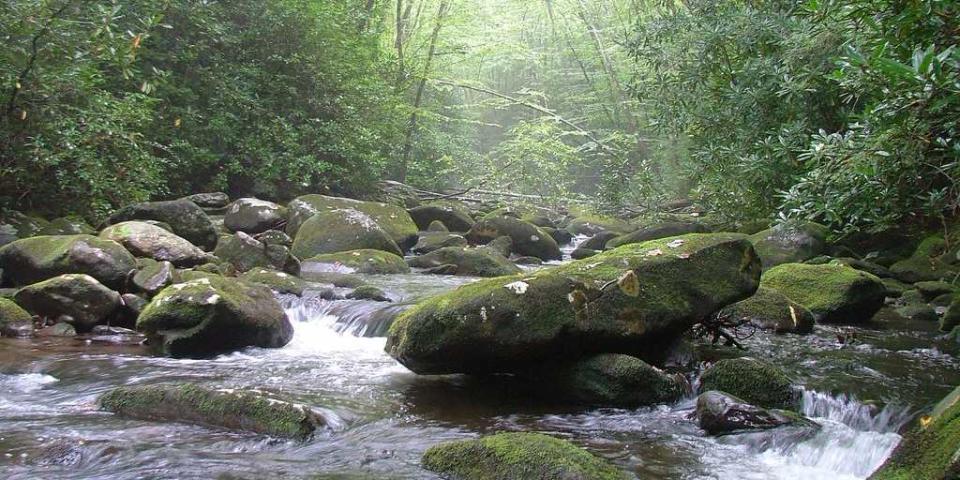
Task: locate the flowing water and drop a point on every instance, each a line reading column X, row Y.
column 383, row 417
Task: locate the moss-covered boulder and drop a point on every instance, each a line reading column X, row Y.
column 393, row 220
column 342, row 280
column 208, row 316
column 150, row 241
column 930, row 261
column 242, row 410
column 599, row 241
column 719, row 413
column 593, row 224
column 951, row 317
column 476, row 262
column 274, row 237
column 209, row 199
column 918, row 311
column 580, row 253
column 245, row 253
column 517, row 455
column 454, row 217
column 834, row 293
column 771, row 310
column 153, row 276
column 630, row 300
column 77, row 299
column 656, row 231
column 753, row 380
column 184, row 217
column 790, row 242
column 13, row 319
column 369, row 292
column 25, row 225
column 932, row 450
column 559, row 235
column 34, row 259
column 430, row 241
column 609, row 380
column 357, row 261
column 342, row 230
column 279, row 282
column 528, row 239
column 67, row 226
column 252, row 215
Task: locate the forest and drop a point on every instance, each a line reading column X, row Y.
column 480, row 239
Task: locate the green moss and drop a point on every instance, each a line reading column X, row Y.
column 368, row 292
column 929, row 452
column 771, row 310
column 480, row 262
column 517, row 455
column 757, row 382
column 834, row 293
column 927, row 262
column 277, row 281
column 12, row 314
column 394, row 220
column 234, row 410
column 340, row 231
column 34, row 259
column 362, row 261
column 590, row 224
column 611, row 380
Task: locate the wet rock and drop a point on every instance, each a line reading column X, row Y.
column 185, row 217
column 431, row 241
column 149, row 241
column 790, row 243
column 599, row 241
column 277, row 281
column 34, row 259
column 451, row 216
column 77, row 299
column 251, row 215
column 528, row 239
column 478, row 262
column 610, row 380
column 580, row 253
column 340, row 231
column 928, row 262
column 245, row 253
column 358, row 261
column 274, row 237
column 393, row 220
column 517, row 455
column 242, row 410
column 153, row 276
column 60, row 329
column 369, row 292
column 208, row 316
column 755, row 381
column 951, row 318
column 630, row 300
column 67, row 226
column 594, row 224
column 656, row 232
column 527, row 261
column 209, row 200
column 133, row 305
column 834, row 293
column 918, row 311
column 14, row 321
column 437, row 226
column 25, row 225
column 771, row 310
column 562, row 237
column 719, row 413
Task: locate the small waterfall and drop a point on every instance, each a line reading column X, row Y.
column 361, row 318
column 854, row 414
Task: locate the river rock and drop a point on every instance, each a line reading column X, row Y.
column 77, row 299
column 593, row 224
column 242, row 410
column 153, row 276
column 150, row 241
column 719, row 413
column 184, row 217
column 14, row 320
column 67, row 226
column 369, row 292
column 431, row 241
column 951, row 317
column 25, row 225
column 245, row 253
column 769, row 309
column 872, row 268
column 252, row 215
column 753, row 380
column 918, row 311
column 34, row 259
column 528, row 239
column 561, row 236
column 274, row 237
column 208, row 316
column 630, row 300
column 657, row 231
column 477, row 262
column 342, row 230
column 358, row 261
column 790, row 242
column 931, row 261
column 834, row 293
column 455, row 218
column 517, row 456
column 580, row 253
column 437, row 226
column 209, row 200
column 393, row 220
column 599, row 241
column 279, row 282
column 610, row 380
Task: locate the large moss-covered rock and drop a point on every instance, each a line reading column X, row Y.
column 185, row 218
column 25, row 225
column 245, row 253
column 150, row 241
column 13, row 318
column 630, row 300
column 478, row 262
column 528, row 239
column 454, row 217
column 790, row 243
column 431, row 241
column 834, row 293
column 515, row 456
column 610, row 380
column 654, row 232
column 153, row 276
column 719, row 413
column 771, row 310
column 755, row 381
column 951, row 317
column 243, row 410
column 393, row 220
column 929, row 262
column 932, row 450
column 599, row 241
column 34, row 259
column 207, row 316
column 77, row 299
column 67, row 226
column 279, row 282
column 252, row 215
column 341, row 230
column 211, row 200
column 593, row 224
column 358, row 261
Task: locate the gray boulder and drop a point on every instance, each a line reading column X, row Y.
column 77, row 299
column 150, row 241
column 184, row 217
column 252, row 216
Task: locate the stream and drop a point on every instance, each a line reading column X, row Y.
column 384, row 417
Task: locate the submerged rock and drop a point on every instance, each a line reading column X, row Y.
column 655, row 232
column 77, row 299
column 834, row 293
column 753, row 380
column 358, row 261
column 150, row 241
column 790, row 243
column 610, row 380
column 719, row 413
column 252, row 215
column 208, row 316
column 771, row 310
column 393, row 220
column 528, row 239
column 515, row 456
column 454, row 218
column 243, row 410
column 34, row 259
column 479, row 262
column 630, row 300
column 340, row 231
column 185, row 217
